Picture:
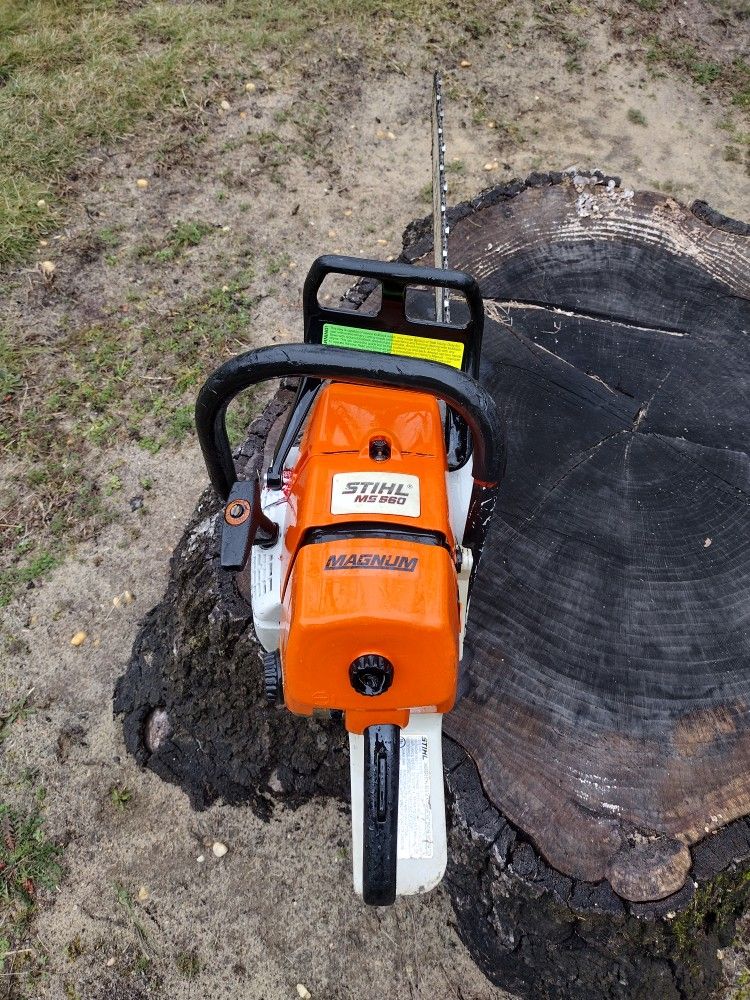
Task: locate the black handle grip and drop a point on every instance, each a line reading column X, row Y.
column 458, row 390
column 380, row 826
column 395, row 278
column 393, row 273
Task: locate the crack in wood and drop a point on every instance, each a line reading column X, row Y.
column 507, row 304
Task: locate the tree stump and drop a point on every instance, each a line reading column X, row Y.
column 597, row 766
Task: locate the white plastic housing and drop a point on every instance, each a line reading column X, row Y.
column 422, row 844
column 265, row 574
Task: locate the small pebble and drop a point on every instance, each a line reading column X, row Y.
column 48, row 268
column 464, row 64
column 41, row 203
column 143, row 894
column 303, row 992
column 250, row 88
column 706, row 543
column 200, row 859
column 347, row 212
column 225, row 288
column 491, row 166
column 390, row 135
column 110, row 962
column 43, row 243
column 382, row 243
column 141, row 183
column 78, row 639
column 331, row 232
column 136, row 502
column 219, row 849
column 225, row 105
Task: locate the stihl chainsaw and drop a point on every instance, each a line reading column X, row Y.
column 360, row 545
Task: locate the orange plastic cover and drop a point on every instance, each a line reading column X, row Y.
column 352, row 597
column 347, row 596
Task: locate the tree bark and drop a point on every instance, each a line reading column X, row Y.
column 597, row 764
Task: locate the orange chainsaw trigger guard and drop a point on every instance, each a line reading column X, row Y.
column 381, row 581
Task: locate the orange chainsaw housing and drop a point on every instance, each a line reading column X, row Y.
column 369, row 559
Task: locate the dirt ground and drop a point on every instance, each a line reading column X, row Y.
column 145, row 908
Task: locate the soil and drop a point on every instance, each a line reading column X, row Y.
column 277, row 909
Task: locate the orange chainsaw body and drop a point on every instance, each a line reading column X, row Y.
column 369, row 558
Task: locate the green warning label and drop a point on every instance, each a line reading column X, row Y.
column 447, row 352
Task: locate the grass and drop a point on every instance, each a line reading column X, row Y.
column 120, row 796
column 29, row 863
column 188, row 964
column 18, row 711
column 79, row 74
column 728, row 79
column 636, row 117
column 127, row 905
column 129, row 381
column 181, row 237
column 551, row 16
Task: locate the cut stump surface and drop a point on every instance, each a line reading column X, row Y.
column 598, row 762
column 608, row 670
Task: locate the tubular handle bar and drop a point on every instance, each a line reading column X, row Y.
column 460, row 392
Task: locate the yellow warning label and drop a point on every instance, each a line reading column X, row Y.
column 447, row 352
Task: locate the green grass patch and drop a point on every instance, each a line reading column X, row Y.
column 29, row 864
column 95, row 386
column 636, row 117
column 120, row 796
column 181, row 237
column 188, row 964
column 731, row 79
column 79, row 74
column 18, row 711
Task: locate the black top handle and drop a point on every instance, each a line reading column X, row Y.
column 459, row 391
column 395, row 278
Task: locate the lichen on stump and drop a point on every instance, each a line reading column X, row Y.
column 597, row 764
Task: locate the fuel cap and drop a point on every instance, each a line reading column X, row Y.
column 371, row 674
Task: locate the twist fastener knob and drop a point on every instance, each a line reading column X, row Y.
column 371, row 674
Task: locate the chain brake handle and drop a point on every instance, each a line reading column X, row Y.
column 395, row 279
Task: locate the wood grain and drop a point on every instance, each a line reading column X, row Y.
column 608, row 682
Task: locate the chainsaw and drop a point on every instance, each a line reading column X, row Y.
column 360, row 544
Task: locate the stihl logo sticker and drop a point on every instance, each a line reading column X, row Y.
column 358, row 493
column 371, row 560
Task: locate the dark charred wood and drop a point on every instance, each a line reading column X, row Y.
column 597, row 766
